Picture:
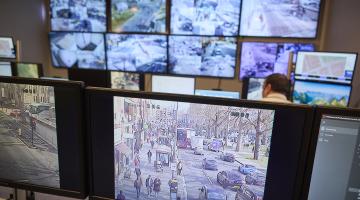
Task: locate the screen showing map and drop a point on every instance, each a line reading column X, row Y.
column 325, row 66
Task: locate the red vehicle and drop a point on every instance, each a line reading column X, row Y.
column 183, row 137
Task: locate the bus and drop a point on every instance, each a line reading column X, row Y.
column 183, row 136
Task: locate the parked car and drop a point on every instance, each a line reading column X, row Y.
column 212, row 192
column 228, row 157
column 209, row 164
column 246, row 169
column 230, row 178
column 198, row 151
column 250, row 192
column 15, row 113
column 256, row 178
column 215, row 145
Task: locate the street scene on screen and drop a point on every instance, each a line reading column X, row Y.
column 168, row 150
column 255, row 89
column 28, row 138
column 125, row 81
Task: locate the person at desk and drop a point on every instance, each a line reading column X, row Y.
column 276, row 89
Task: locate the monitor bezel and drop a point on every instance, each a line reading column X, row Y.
column 141, row 80
column 14, row 66
column 14, row 45
column 169, row 75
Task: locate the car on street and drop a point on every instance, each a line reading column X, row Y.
column 230, row 178
column 212, row 192
column 209, row 164
column 246, row 169
column 256, row 178
column 250, row 192
column 15, row 113
column 215, row 145
column 198, row 151
column 228, row 157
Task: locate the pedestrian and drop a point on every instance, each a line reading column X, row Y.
column 138, row 184
column 149, row 183
column 120, row 196
column 157, row 184
column 179, row 168
column 149, row 154
column 152, row 143
column 137, row 171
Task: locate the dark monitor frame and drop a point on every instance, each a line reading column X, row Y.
column 14, row 66
column 14, row 44
column 141, row 79
column 171, row 76
column 95, row 78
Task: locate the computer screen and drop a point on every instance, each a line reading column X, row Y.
column 82, row 16
column 173, row 84
column 316, row 93
column 207, row 17
column 136, row 53
column 218, row 93
column 138, row 16
column 7, row 48
column 282, row 18
column 28, row 70
column 255, row 88
column 78, row 50
column 125, row 81
column 5, row 69
column 336, row 168
column 202, row 56
column 261, row 59
column 326, row 66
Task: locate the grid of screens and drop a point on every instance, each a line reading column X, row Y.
column 138, row 16
column 125, row 81
column 5, row 69
column 202, row 56
column 84, row 15
column 77, row 50
column 28, row 70
column 172, row 84
column 316, row 93
column 206, row 17
column 325, row 66
column 29, row 128
column 281, row 18
column 336, row 164
column 255, row 88
column 137, row 53
column 181, row 119
column 218, row 93
column 7, row 48
column 260, row 59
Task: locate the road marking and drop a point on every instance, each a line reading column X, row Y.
column 207, row 176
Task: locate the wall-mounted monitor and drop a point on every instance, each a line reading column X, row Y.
column 220, row 18
column 7, row 48
column 28, row 70
column 173, row 84
column 253, row 88
column 290, row 19
column 80, row 16
column 261, row 59
column 139, row 16
column 326, row 66
column 126, row 81
column 318, row 93
column 218, row 93
column 136, row 53
column 5, row 69
column 202, row 56
column 42, row 136
column 78, row 50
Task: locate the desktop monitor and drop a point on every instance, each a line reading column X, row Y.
column 81, row 16
column 326, row 66
column 136, row 53
column 142, row 134
column 218, row 93
column 261, row 59
column 289, row 19
column 253, row 88
column 173, row 84
column 5, row 69
column 126, row 81
column 42, row 136
column 139, row 16
column 334, row 156
column 220, row 18
column 77, row 50
column 202, row 56
column 28, row 70
column 7, row 48
column 319, row 93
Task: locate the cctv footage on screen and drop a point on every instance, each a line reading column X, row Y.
column 28, row 149
column 175, row 150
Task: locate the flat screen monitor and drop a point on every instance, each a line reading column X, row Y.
column 202, row 56
column 254, row 88
column 261, row 59
column 136, row 53
column 28, row 70
column 290, row 19
column 317, row 93
column 154, row 134
column 334, row 156
column 78, row 50
column 5, row 69
column 326, row 66
column 7, row 48
column 209, row 17
column 218, row 93
column 126, row 81
column 81, row 16
column 42, row 136
column 173, row 84
column 139, row 16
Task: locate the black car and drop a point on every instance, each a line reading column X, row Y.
column 230, row 178
column 256, row 178
column 250, row 193
column 228, row 157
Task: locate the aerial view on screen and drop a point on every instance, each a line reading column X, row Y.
column 169, row 150
column 27, row 70
column 7, row 49
column 125, row 81
column 314, row 93
column 75, row 15
column 203, row 56
column 255, row 89
column 137, row 53
column 138, row 16
column 78, row 50
column 28, row 149
column 205, row 17
column 281, row 18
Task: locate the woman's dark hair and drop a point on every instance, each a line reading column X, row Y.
column 279, row 83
